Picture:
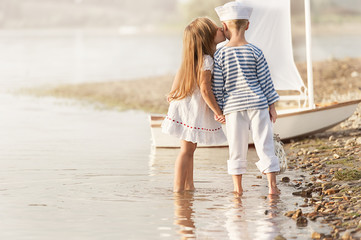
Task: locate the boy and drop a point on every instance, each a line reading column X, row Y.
column 244, row 90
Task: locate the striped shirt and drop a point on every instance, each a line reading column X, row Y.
column 242, row 79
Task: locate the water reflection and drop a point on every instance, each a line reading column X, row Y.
column 236, row 224
column 184, row 214
column 213, row 211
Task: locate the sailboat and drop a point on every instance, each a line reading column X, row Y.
column 270, row 30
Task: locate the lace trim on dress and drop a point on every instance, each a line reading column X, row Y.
column 193, row 127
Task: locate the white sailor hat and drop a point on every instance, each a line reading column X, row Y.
column 234, row 10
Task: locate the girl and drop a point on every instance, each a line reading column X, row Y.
column 193, row 109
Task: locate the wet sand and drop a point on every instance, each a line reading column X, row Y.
column 68, row 171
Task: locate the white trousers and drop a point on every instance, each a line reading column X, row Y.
column 238, row 125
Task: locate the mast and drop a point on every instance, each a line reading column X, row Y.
column 309, row 54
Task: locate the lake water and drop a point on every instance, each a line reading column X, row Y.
column 42, row 57
column 70, row 172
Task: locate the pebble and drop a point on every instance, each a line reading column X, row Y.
column 301, row 221
column 280, row 237
column 331, row 191
column 316, row 235
column 297, row 214
column 285, row 179
column 350, row 142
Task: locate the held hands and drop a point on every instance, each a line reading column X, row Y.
column 272, row 113
column 220, row 118
column 169, row 99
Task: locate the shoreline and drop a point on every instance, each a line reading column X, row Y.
column 335, row 80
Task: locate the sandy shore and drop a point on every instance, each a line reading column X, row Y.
column 334, row 80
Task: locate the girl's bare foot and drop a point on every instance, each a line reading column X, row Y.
column 189, row 188
column 274, row 191
column 238, row 191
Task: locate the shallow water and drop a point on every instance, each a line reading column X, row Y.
column 68, row 171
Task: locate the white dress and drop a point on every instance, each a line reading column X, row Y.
column 192, row 120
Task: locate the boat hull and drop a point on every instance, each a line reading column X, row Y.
column 288, row 125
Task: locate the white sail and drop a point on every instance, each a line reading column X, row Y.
column 270, row 30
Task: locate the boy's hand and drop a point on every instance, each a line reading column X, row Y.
column 220, row 118
column 272, row 113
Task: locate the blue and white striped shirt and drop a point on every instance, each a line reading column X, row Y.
column 242, row 79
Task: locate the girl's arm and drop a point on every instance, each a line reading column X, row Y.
column 208, row 96
column 174, row 85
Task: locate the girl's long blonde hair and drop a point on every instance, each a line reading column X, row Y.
column 198, row 40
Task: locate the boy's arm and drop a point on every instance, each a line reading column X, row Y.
column 264, row 78
column 218, row 84
column 272, row 112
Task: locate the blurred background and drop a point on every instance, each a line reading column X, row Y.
column 74, row 41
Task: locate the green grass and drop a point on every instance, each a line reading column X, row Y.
column 348, row 175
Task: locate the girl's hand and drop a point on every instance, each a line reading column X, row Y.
column 220, row 118
column 272, row 113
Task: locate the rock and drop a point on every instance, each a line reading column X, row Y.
column 358, row 141
column 331, row 191
column 342, row 208
column 331, row 138
column 289, row 213
column 326, row 186
column 355, row 74
column 285, row 179
column 303, row 193
column 313, row 215
column 350, row 142
column 301, row 221
column 279, row 237
column 317, row 208
column 297, row 214
column 336, row 156
column 346, row 198
column 316, row 235
column 322, row 176
column 346, row 235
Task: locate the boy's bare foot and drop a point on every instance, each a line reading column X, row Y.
column 274, row 191
column 238, row 191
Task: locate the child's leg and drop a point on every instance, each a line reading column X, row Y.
column 262, row 133
column 182, row 166
column 237, row 134
column 189, row 185
column 237, row 183
column 272, row 184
